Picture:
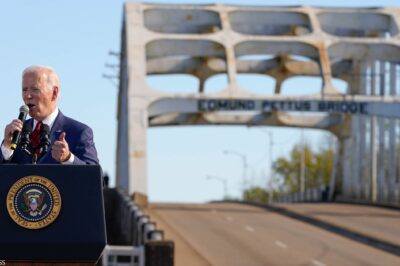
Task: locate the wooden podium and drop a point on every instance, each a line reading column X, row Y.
column 51, row 214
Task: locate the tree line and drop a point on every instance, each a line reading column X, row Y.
column 287, row 173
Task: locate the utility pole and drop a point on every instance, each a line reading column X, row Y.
column 268, row 185
column 224, row 184
column 244, row 160
column 115, row 68
column 302, row 163
column 270, row 188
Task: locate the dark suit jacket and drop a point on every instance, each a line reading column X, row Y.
column 78, row 135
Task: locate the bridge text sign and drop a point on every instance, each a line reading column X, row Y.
column 350, row 107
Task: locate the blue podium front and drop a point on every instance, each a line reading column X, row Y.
column 51, row 213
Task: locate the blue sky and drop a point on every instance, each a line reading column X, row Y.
column 75, row 37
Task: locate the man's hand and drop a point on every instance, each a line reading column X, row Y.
column 60, row 150
column 15, row 125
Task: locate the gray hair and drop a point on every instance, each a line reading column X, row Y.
column 52, row 77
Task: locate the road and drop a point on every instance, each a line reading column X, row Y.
column 233, row 234
column 375, row 222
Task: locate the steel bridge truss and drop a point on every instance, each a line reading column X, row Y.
column 358, row 46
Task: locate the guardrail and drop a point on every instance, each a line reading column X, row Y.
column 132, row 238
column 317, row 194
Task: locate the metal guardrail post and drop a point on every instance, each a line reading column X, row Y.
column 133, row 230
column 159, row 253
column 139, row 225
column 155, row 235
column 136, row 217
column 315, row 194
column 146, row 228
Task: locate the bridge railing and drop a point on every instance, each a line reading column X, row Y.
column 132, row 238
column 317, row 194
column 123, row 256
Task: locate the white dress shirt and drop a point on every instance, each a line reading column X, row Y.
column 8, row 152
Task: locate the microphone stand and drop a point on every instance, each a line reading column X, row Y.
column 25, row 140
column 34, row 158
column 27, row 152
column 44, row 140
column 43, row 146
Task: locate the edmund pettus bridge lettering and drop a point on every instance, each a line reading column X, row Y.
column 351, row 107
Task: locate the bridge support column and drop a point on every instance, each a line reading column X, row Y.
column 381, row 184
column 132, row 150
column 372, row 156
column 346, row 159
column 356, row 191
column 134, row 99
column 393, row 154
column 337, row 182
column 138, row 157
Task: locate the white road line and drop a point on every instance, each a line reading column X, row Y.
column 280, row 244
column 317, row 263
column 249, row 228
column 228, row 218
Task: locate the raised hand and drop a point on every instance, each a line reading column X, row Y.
column 60, row 150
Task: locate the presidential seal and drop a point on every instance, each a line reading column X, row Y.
column 33, row 202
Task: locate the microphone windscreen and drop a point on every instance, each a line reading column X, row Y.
column 24, row 109
column 44, row 129
column 27, row 128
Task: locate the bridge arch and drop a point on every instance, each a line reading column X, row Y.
column 370, row 68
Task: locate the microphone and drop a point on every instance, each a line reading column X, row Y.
column 23, row 111
column 44, row 139
column 25, row 140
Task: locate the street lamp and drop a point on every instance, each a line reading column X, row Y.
column 244, row 159
column 223, row 181
column 302, row 163
column 269, row 185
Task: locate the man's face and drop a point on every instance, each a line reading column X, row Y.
column 38, row 95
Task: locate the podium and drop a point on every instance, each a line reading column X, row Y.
column 51, row 214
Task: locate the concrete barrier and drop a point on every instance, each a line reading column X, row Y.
column 129, row 230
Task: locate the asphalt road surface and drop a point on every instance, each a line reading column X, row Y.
column 233, row 234
column 375, row 222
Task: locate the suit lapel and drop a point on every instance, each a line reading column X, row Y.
column 57, row 127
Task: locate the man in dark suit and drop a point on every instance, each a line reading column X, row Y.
column 71, row 141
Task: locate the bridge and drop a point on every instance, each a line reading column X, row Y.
column 360, row 47
column 246, row 233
